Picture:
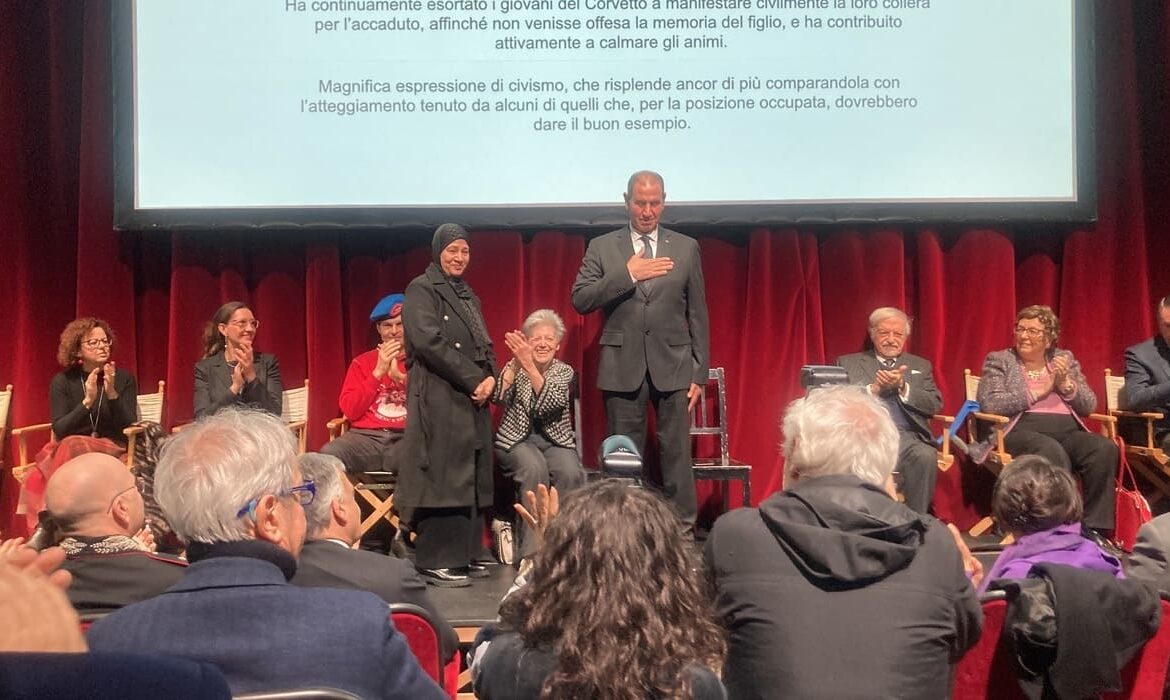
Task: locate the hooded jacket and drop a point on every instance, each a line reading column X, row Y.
column 833, row 590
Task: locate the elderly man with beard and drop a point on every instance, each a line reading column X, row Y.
column 904, row 383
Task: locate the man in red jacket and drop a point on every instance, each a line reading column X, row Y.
column 373, row 398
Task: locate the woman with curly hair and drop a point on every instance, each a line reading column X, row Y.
column 615, row 608
column 1042, row 389
column 90, row 402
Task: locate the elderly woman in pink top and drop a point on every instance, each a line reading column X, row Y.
column 1042, row 389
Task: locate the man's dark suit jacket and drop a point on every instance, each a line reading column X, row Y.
column 325, row 564
column 213, row 382
column 105, row 582
column 1147, row 381
column 663, row 331
column 240, row 614
column 924, row 399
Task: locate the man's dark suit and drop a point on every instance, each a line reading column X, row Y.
column 326, row 564
column 654, row 345
column 1147, row 383
column 213, row 382
column 917, row 468
column 240, row 614
column 105, row 582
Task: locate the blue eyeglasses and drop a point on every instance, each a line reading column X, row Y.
column 305, row 493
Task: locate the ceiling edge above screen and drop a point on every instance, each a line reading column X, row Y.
column 1082, row 209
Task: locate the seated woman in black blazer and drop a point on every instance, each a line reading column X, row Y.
column 231, row 372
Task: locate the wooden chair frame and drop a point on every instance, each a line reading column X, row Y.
column 150, row 408
column 714, row 423
column 367, row 490
column 1147, row 458
column 294, row 410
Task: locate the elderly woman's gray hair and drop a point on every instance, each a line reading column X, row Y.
column 544, row 317
column 839, row 430
column 216, row 466
column 325, row 471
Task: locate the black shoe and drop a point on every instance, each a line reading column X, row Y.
column 1098, row 538
column 445, row 578
column 401, row 546
column 477, row 570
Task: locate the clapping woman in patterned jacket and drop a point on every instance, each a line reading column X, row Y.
column 535, row 443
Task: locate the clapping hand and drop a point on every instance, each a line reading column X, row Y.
column 891, row 378
column 388, row 352
column 971, row 565
column 110, row 372
column 1060, row 380
column 518, row 343
column 45, row 563
column 91, row 388
column 543, row 506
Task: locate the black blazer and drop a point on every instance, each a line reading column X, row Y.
column 213, row 382
column 325, row 564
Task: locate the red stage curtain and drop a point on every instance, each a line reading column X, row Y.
column 778, row 298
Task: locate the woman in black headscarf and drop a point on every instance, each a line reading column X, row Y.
column 446, row 472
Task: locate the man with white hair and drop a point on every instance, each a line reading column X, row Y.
column 905, row 384
column 833, row 573
column 94, row 501
column 233, row 492
column 329, row 560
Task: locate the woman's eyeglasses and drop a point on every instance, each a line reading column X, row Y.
column 96, row 343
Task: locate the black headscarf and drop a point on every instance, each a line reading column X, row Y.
column 445, row 235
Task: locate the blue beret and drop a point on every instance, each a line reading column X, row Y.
column 385, row 308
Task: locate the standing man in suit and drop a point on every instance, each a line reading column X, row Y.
column 329, row 560
column 648, row 283
column 905, row 384
column 1147, row 377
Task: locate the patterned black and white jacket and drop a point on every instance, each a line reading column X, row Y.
column 525, row 411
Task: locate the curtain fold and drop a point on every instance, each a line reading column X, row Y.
column 778, row 298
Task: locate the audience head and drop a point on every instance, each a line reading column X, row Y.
column 1162, row 317
column 333, row 514
column 387, row 317
column 645, row 200
column 1037, row 330
column 449, row 249
column 616, row 592
column 88, row 342
column 889, row 329
column 1032, row 494
column 95, row 495
column 232, row 323
column 234, row 476
column 839, row 430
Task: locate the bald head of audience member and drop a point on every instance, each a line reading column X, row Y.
column 234, row 476
column 95, row 495
column 334, row 513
